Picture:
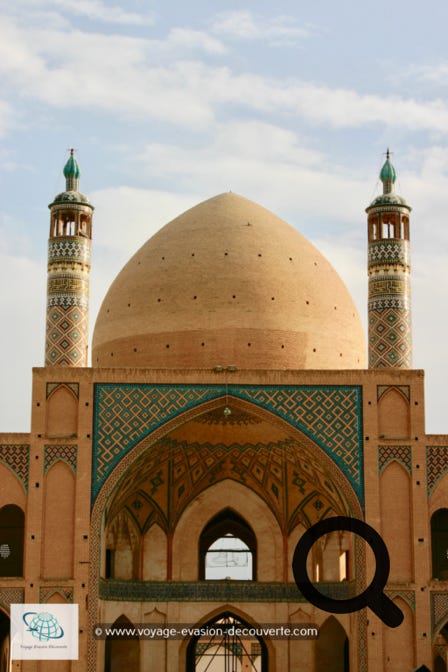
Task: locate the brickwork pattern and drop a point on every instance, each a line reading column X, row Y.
column 439, row 610
column 60, row 249
column 391, row 252
column 390, row 336
column 436, row 465
column 48, row 591
column 53, row 453
column 17, row 458
column 67, row 301
column 10, row 596
column 400, row 454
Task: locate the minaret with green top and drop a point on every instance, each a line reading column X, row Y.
column 390, row 336
column 68, row 273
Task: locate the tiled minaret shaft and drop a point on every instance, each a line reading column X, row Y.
column 68, row 273
column 390, row 335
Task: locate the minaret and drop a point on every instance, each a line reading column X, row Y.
column 68, row 273
column 390, row 337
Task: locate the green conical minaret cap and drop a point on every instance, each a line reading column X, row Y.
column 388, row 173
column 71, row 168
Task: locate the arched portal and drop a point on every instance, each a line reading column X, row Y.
column 269, row 473
column 227, row 643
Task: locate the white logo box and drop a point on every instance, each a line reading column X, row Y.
column 44, row 631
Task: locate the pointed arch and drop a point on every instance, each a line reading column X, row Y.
column 56, row 596
column 393, row 415
column 123, row 541
column 224, row 524
column 12, row 489
column 332, row 647
column 122, row 654
column 439, row 496
column 59, row 519
column 154, row 554
column 62, row 413
column 192, row 519
column 257, row 514
column 396, row 530
column 226, row 651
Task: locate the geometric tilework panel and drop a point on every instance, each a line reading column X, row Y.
column 390, row 338
column 362, row 641
column 66, row 336
column 401, row 454
column 10, row 596
column 389, row 252
column 47, row 592
column 125, row 414
column 439, row 610
column 436, row 465
column 407, row 595
column 17, row 458
column 68, row 454
column 214, row 591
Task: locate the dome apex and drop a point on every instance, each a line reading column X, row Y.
column 71, row 168
column 388, row 172
column 228, row 282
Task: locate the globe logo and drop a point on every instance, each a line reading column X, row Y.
column 43, row 626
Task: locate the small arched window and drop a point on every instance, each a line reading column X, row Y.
column 12, row 522
column 439, row 544
column 227, row 548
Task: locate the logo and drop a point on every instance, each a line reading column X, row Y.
column 43, row 626
column 44, row 631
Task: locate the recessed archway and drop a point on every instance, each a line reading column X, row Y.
column 122, row 653
column 227, row 644
column 255, row 450
column 332, row 648
column 226, row 542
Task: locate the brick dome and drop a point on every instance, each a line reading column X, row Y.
column 228, row 282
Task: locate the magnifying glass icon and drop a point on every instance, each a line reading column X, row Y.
column 373, row 596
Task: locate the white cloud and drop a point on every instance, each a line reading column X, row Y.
column 194, row 39
column 95, row 10
column 245, row 25
column 262, row 162
column 153, row 78
column 434, row 74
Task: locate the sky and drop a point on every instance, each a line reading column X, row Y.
column 290, row 104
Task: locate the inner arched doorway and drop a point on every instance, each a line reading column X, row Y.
column 332, row 653
column 225, row 643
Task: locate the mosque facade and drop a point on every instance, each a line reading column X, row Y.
column 229, row 407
